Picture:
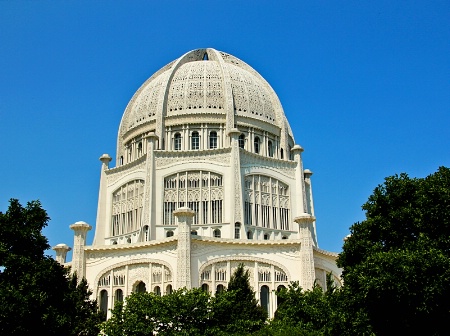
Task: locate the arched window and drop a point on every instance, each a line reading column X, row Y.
column 104, row 301
column 205, row 288
column 213, row 140
column 291, row 157
column 266, row 236
column 220, row 289
column 169, row 289
column 139, row 148
column 177, row 141
column 279, row 299
column 237, row 230
column 193, row 232
column 264, row 295
column 121, row 161
column 249, row 234
column 270, row 148
column 140, row 287
column 256, row 145
column 146, row 231
column 118, row 296
column 281, row 153
column 129, row 240
column 217, row 233
column 195, row 140
column 284, row 237
column 169, row 233
column 241, row 141
column 157, row 291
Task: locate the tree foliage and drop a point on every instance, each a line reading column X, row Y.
column 190, row 312
column 236, row 310
column 396, row 263
column 38, row 294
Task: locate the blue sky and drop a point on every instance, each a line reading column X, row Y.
column 364, row 84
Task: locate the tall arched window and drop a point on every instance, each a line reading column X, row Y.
column 169, row 289
column 270, row 148
column 146, row 233
column 264, row 295
column 205, row 288
column 242, row 141
column 157, row 291
column 279, row 299
column 281, row 153
column 256, row 145
column 217, row 233
column 249, row 234
column 140, row 287
column 213, row 140
column 139, row 149
column 118, row 296
column 177, row 141
column 220, row 289
column 237, row 230
column 104, row 301
column 195, row 140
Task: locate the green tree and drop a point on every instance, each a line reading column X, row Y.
column 396, row 263
column 236, row 310
column 183, row 312
column 38, row 294
column 310, row 312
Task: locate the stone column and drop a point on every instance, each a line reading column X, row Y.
column 148, row 217
column 305, row 225
column 102, row 226
column 184, row 217
column 61, row 252
column 79, row 241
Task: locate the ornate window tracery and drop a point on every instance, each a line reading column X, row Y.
column 201, row 191
column 266, row 202
column 127, row 202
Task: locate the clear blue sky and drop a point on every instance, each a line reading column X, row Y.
column 364, row 84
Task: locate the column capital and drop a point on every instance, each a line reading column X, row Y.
column 80, row 227
column 304, row 218
column 184, row 211
column 152, row 136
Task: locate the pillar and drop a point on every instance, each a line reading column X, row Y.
column 305, row 225
column 79, row 241
column 61, row 252
column 184, row 217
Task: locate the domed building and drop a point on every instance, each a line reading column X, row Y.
column 207, row 176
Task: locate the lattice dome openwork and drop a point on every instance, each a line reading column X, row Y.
column 203, row 82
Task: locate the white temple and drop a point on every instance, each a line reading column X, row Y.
column 207, row 176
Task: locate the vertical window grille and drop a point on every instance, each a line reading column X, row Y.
column 195, row 140
column 201, row 191
column 127, row 202
column 213, row 140
column 266, row 202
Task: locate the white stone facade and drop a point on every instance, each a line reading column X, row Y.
column 207, row 176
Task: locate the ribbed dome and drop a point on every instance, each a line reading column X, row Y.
column 203, row 82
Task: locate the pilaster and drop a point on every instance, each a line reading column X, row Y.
column 148, row 206
column 305, row 226
column 236, row 184
column 184, row 217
